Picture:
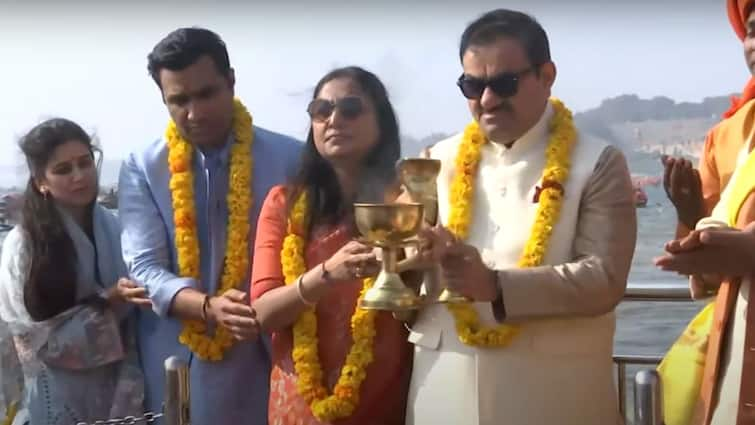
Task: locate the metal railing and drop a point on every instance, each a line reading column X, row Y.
column 176, row 405
column 621, row 362
column 657, row 292
column 647, row 385
column 648, row 398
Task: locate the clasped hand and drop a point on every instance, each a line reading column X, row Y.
column 232, row 311
column 724, row 251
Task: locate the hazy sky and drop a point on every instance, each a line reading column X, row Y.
column 87, row 60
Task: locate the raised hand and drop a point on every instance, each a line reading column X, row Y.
column 684, row 188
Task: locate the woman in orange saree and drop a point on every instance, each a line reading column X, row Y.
column 332, row 362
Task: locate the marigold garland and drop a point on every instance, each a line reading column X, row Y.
column 194, row 334
column 555, row 173
column 345, row 397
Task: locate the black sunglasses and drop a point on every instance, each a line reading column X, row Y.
column 349, row 107
column 504, row 85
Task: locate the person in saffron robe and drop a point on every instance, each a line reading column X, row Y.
column 718, row 257
column 694, row 192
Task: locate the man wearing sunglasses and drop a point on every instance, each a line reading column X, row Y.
column 551, row 275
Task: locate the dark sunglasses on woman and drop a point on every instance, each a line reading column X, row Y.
column 503, row 85
column 350, row 107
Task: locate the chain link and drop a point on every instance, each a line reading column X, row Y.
column 148, row 417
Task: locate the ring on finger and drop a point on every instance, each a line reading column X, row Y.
column 358, row 270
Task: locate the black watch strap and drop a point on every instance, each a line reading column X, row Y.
column 499, row 308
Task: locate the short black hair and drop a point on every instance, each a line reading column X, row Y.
column 183, row 47
column 500, row 23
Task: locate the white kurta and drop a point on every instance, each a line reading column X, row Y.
column 557, row 371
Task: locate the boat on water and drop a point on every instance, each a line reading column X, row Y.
column 640, row 197
column 638, row 185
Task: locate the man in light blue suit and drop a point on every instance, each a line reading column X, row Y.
column 192, row 69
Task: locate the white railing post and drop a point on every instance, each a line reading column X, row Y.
column 176, row 408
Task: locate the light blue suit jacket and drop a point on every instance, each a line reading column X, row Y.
column 234, row 390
